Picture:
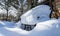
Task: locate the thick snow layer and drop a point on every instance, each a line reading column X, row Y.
column 45, row 28
column 35, row 15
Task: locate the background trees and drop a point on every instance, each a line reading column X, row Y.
column 22, row 6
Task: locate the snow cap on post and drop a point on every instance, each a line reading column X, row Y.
column 35, row 15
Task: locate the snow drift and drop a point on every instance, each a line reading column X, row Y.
column 35, row 15
column 46, row 28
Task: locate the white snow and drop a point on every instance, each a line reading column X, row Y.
column 12, row 11
column 24, row 2
column 50, row 27
column 48, row 24
column 18, row 24
column 2, row 10
column 31, row 16
column 2, row 2
column 39, row 1
column 45, row 28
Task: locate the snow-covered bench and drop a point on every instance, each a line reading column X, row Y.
column 35, row 15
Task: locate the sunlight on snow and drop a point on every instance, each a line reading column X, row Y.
column 57, row 26
column 46, row 25
column 18, row 30
column 2, row 23
column 1, row 34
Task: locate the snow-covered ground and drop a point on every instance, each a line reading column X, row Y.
column 46, row 28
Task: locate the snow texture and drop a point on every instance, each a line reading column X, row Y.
column 39, row 1
column 12, row 11
column 45, row 28
column 50, row 27
column 35, row 15
column 2, row 10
